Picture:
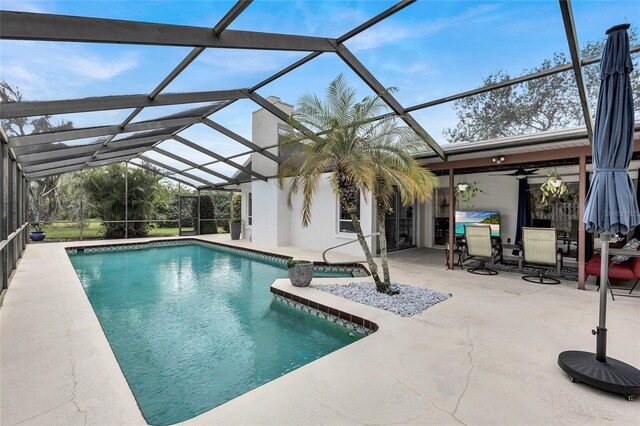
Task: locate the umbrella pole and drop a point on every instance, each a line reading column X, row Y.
column 601, row 330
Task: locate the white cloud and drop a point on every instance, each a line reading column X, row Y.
column 420, row 68
column 234, row 62
column 22, row 6
column 97, row 68
column 52, row 70
column 327, row 18
column 387, row 32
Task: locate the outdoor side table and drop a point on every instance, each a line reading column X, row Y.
column 457, row 261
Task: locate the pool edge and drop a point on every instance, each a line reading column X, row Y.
column 242, row 250
column 336, row 316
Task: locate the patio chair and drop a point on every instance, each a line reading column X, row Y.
column 479, row 246
column 539, row 251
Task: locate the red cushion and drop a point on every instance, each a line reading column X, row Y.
column 593, row 266
column 620, row 271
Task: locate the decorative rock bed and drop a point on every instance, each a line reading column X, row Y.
column 408, row 302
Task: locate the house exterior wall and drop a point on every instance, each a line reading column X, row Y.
column 500, row 193
column 245, row 189
column 323, row 233
column 273, row 223
column 270, row 222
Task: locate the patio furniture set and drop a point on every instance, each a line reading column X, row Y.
column 538, row 250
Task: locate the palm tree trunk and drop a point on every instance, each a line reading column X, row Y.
column 373, row 268
column 385, row 288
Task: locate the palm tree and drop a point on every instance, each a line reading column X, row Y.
column 360, row 153
column 397, row 170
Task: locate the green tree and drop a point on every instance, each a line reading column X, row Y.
column 360, row 154
column 235, row 214
column 222, row 206
column 104, row 190
column 44, row 200
column 397, row 171
column 207, row 212
column 22, row 126
column 546, row 103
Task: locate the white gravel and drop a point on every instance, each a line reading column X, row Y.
column 408, row 302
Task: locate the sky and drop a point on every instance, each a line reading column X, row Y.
column 429, row 50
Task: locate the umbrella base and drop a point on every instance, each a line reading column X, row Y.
column 612, row 376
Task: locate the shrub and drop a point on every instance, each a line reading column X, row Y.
column 104, row 189
column 207, row 211
column 236, row 208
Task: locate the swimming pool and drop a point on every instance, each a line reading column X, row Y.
column 193, row 326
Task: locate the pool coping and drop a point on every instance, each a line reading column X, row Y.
column 320, row 310
column 244, row 250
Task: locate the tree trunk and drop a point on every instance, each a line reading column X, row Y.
column 349, row 196
column 385, row 287
column 373, row 268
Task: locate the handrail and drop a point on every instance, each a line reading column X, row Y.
column 12, row 235
column 344, row 244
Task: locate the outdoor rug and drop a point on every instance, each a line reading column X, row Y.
column 569, row 273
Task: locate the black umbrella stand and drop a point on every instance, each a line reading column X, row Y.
column 597, row 369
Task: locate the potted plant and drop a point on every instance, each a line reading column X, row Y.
column 553, row 188
column 235, row 222
column 300, row 272
column 465, row 192
column 38, row 234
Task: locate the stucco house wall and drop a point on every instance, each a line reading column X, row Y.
column 273, row 223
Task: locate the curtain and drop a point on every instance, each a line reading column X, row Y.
column 524, row 217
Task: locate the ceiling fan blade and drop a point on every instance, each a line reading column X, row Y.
column 529, row 172
column 501, row 174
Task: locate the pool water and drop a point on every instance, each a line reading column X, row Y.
column 193, row 327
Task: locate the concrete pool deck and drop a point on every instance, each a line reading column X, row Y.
column 487, row 355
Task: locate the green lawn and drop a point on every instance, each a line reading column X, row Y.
column 63, row 231
column 71, row 231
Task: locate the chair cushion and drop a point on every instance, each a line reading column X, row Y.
column 620, row 271
column 593, row 265
column 539, row 245
column 632, row 244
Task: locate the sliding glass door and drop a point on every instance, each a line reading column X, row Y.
column 400, row 225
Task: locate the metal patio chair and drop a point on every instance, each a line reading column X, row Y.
column 479, row 246
column 539, row 250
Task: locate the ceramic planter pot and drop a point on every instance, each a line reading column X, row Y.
column 234, row 229
column 301, row 274
column 37, row 235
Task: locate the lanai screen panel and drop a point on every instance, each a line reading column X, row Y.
column 439, row 54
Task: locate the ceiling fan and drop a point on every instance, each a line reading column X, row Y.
column 521, row 173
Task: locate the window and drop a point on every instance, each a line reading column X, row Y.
column 344, row 219
column 249, row 208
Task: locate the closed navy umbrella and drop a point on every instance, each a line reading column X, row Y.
column 611, row 206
